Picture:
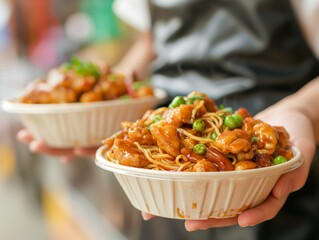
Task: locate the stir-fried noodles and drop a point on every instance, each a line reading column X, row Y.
column 193, row 134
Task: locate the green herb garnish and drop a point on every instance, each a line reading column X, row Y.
column 81, row 67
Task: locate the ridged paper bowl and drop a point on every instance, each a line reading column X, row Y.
column 194, row 195
column 80, row 124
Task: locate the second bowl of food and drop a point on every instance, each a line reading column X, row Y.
column 194, row 160
column 80, row 103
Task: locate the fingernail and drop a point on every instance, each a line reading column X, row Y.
column 33, row 146
column 189, row 228
column 244, row 224
column 192, row 226
column 146, row 217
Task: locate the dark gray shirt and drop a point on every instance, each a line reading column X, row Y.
column 224, row 46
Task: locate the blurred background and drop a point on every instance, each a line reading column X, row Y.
column 40, row 197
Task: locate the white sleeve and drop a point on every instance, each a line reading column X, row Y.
column 133, row 12
column 307, row 12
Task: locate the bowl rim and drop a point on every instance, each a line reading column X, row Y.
column 279, row 169
column 13, row 106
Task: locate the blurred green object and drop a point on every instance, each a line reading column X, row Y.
column 106, row 25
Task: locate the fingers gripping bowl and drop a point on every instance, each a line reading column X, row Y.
column 78, row 104
column 194, row 160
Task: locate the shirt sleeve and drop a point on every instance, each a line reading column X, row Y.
column 307, row 12
column 133, row 12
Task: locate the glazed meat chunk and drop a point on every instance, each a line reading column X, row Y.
column 128, row 154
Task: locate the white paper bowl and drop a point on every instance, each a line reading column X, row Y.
column 194, row 195
column 80, row 124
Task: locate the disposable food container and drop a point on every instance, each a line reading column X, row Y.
column 66, row 125
column 196, row 195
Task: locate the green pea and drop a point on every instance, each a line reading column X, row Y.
column 178, row 100
column 230, row 122
column 238, row 119
column 279, row 159
column 199, row 125
column 233, row 121
column 200, row 149
column 157, row 118
column 255, row 139
column 214, row 136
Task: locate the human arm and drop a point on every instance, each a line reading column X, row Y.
column 136, row 14
column 299, row 114
column 138, row 57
